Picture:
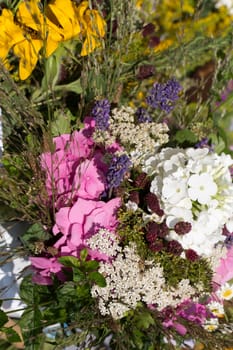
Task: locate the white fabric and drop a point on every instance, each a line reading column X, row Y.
column 11, row 272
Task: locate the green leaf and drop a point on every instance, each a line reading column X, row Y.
column 36, row 233
column 31, row 292
column 67, row 292
column 75, row 86
column 52, row 67
column 218, row 142
column 11, row 334
column 83, row 292
column 3, row 318
column 185, row 135
column 91, row 265
column 78, row 275
column 97, row 278
column 83, row 254
column 69, row 261
column 31, row 327
column 61, row 123
column 145, row 320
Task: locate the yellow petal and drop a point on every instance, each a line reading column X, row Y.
column 28, row 53
column 80, row 10
column 65, row 17
column 89, row 45
column 51, row 46
column 29, row 15
column 10, row 33
column 97, row 22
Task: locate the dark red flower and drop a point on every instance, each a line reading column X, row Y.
column 182, row 227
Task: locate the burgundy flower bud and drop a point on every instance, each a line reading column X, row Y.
column 156, row 246
column 151, row 237
column 163, row 230
column 191, row 255
column 118, row 192
column 152, row 231
column 145, row 71
column 174, row 247
column 153, row 204
column 225, row 231
column 141, row 181
column 153, row 42
column 182, row 227
column 167, row 312
column 134, row 197
column 148, row 29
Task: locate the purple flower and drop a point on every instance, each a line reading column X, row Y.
column 118, row 167
column 194, row 312
column 164, row 95
column 204, row 143
column 101, row 114
column 229, row 241
column 143, row 116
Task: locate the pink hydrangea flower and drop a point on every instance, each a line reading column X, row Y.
column 75, row 168
column 83, row 220
column 61, row 164
column 224, row 271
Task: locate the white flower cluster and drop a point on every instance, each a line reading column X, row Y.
column 130, row 281
column 138, row 139
column 105, row 242
column 195, row 186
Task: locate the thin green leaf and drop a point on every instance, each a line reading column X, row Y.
column 3, row 318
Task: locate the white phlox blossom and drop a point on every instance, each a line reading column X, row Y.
column 193, row 185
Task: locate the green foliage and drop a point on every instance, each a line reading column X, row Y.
column 84, row 270
column 130, row 229
column 35, row 234
column 3, row 318
column 176, row 268
column 10, row 334
column 185, row 136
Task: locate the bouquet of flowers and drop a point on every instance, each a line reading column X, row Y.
column 130, row 235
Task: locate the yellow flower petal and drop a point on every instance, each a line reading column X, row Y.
column 30, row 16
column 28, row 53
column 10, row 33
column 65, row 17
column 90, row 43
column 97, row 23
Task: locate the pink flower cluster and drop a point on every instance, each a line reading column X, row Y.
column 187, row 310
column 75, row 180
column 75, row 168
column 224, row 271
